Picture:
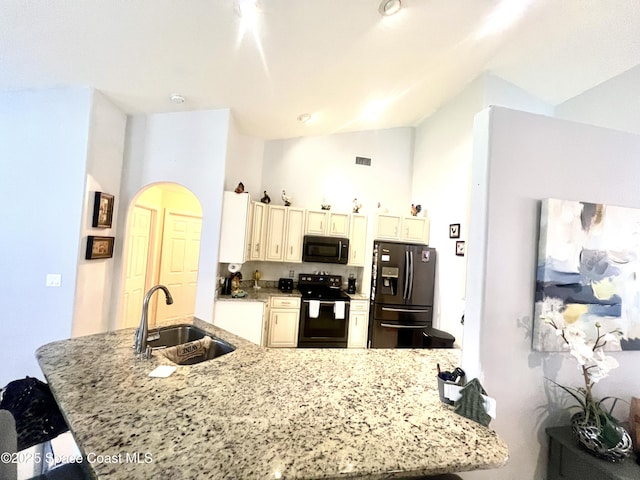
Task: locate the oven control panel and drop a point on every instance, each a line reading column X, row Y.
column 320, row 280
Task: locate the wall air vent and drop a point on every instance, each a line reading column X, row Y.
column 363, row 161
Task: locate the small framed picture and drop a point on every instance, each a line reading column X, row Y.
column 454, row 230
column 99, row 247
column 460, row 248
column 102, row 210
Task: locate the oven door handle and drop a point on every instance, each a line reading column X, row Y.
column 324, row 302
column 415, row 327
column 405, row 310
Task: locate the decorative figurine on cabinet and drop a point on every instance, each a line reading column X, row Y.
column 324, row 205
column 286, row 199
column 356, row 206
column 266, row 198
column 415, row 209
column 239, row 188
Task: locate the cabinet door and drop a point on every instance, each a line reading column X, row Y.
column 358, row 324
column 338, row 224
column 283, row 327
column 242, row 318
column 357, row 240
column 275, row 233
column 234, row 229
column 415, row 229
column 257, row 232
column 316, row 223
column 388, row 227
column 293, row 235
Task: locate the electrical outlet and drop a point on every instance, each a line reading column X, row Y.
column 53, row 279
column 292, row 273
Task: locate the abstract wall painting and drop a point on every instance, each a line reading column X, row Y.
column 588, row 268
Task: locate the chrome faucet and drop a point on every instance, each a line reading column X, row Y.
column 140, row 346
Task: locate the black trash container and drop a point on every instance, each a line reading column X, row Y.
column 434, row 338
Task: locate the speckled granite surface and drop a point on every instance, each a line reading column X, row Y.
column 261, row 413
column 261, row 294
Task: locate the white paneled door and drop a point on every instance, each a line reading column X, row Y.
column 179, row 264
column 137, row 264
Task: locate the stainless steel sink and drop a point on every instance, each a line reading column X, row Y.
column 177, row 334
column 174, row 335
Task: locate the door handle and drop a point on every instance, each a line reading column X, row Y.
column 415, row 327
column 405, row 310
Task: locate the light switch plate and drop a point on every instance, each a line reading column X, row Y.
column 53, row 279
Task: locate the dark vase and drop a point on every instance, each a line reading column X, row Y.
column 590, row 436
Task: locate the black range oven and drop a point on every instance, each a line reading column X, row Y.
column 324, row 311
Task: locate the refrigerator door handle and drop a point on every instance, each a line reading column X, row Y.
column 405, row 287
column 415, row 327
column 410, row 286
column 406, row 310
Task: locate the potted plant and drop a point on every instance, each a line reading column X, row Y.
column 593, row 424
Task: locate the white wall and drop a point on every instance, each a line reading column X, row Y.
column 527, row 158
column 244, row 163
column 104, row 170
column 612, row 104
column 188, row 148
column 43, row 145
column 441, row 179
column 311, row 169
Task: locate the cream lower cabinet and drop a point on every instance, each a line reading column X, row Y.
column 244, row 318
column 284, row 314
column 358, row 324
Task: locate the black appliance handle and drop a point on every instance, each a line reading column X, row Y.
column 405, row 287
column 406, row 310
column 339, row 250
column 415, row 327
column 325, row 302
column 410, row 286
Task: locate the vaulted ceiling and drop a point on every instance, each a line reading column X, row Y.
column 339, row 60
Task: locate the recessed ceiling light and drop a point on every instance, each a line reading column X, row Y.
column 304, row 117
column 175, row 98
column 389, row 7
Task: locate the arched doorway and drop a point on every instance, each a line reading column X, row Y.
column 162, row 246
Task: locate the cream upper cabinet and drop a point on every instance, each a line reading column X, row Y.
column 357, row 240
column 274, row 240
column 293, row 234
column 256, row 243
column 338, row 224
column 387, row 226
column 235, row 229
column 415, row 229
column 284, row 314
column 316, row 222
column 358, row 324
column 401, row 229
column 323, row 222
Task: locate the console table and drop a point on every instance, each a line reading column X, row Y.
column 569, row 461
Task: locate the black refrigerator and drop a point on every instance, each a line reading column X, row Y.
column 402, row 282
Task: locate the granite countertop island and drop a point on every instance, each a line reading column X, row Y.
column 260, row 413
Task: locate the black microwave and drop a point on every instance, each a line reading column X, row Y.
column 325, row 249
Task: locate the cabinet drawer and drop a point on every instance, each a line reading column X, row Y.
column 359, row 306
column 285, row 302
